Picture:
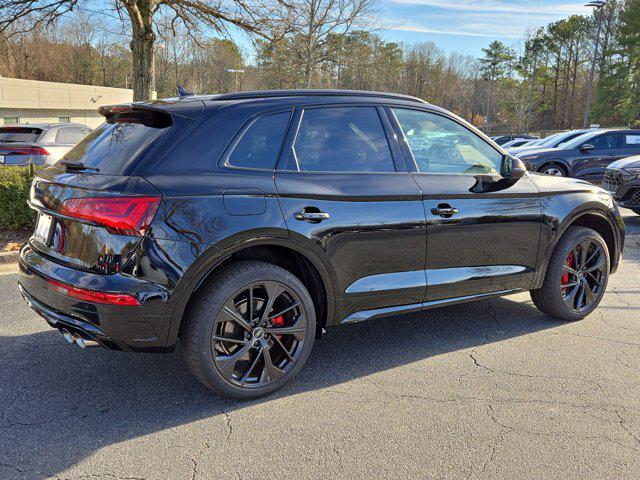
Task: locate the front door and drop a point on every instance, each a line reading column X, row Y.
column 590, row 164
column 345, row 194
column 477, row 243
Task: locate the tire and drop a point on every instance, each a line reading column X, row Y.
column 557, row 294
column 559, row 170
column 244, row 362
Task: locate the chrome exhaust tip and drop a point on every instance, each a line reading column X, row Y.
column 82, row 343
column 70, row 338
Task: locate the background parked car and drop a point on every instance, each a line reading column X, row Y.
column 38, row 143
column 518, row 143
column 552, row 141
column 586, row 156
column 622, row 179
column 502, row 139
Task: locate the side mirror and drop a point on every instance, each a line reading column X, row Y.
column 511, row 170
column 586, row 147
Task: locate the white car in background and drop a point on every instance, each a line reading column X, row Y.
column 38, row 143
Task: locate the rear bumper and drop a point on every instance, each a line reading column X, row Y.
column 129, row 328
column 62, row 322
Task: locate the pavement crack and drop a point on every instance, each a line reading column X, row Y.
column 229, row 426
column 477, row 362
column 623, row 425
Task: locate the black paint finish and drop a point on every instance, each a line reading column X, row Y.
column 372, row 240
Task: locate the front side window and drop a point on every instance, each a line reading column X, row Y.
column 342, row 139
column 260, row 144
column 440, row 145
column 610, row 140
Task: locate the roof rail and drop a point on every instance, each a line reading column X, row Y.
column 314, row 93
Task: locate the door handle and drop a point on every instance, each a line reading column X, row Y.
column 311, row 215
column 444, row 210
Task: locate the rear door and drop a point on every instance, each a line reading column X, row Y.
column 477, row 243
column 345, row 193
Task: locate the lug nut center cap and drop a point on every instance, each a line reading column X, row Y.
column 258, row 332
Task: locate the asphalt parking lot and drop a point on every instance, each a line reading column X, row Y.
column 488, row 390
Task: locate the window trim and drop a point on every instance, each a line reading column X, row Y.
column 223, row 162
column 294, row 130
column 412, row 165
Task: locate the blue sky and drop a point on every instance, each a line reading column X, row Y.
column 466, row 26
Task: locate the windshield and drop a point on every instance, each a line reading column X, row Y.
column 19, row 134
column 579, row 140
column 550, row 140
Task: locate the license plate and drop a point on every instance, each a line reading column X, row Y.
column 43, row 228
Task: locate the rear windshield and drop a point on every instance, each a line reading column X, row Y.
column 19, row 134
column 117, row 145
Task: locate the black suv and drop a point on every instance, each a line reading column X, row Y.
column 244, row 224
column 586, row 156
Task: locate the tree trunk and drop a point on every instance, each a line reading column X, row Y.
column 142, row 44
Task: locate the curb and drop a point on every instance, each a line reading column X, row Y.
column 9, row 257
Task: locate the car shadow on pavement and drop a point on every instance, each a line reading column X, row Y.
column 61, row 404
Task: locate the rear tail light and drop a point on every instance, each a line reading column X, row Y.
column 122, row 299
column 24, row 151
column 120, row 215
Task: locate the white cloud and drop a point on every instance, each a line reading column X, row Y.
column 438, row 31
column 530, row 8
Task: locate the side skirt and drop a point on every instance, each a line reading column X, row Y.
column 417, row 307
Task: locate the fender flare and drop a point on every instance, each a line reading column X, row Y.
column 198, row 272
column 591, row 208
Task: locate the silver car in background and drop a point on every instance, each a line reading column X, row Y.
column 38, row 143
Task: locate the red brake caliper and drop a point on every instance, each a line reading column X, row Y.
column 565, row 278
column 278, row 322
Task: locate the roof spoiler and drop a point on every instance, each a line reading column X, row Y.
column 132, row 113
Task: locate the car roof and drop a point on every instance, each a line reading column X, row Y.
column 186, row 103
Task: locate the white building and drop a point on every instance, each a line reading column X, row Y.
column 31, row 101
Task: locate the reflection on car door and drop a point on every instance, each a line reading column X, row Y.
column 477, row 243
column 346, row 194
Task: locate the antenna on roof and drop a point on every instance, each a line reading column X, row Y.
column 182, row 92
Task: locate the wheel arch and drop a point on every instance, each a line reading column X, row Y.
column 556, row 161
column 285, row 253
column 593, row 218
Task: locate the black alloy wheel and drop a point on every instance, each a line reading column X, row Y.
column 259, row 334
column 576, row 276
column 250, row 331
column 583, row 275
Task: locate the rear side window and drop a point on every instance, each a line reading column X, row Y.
column 341, row 139
column 632, row 140
column 260, row 144
column 70, row 135
column 19, row 134
column 117, row 145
